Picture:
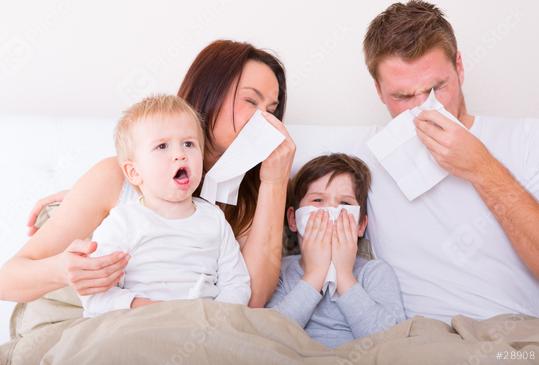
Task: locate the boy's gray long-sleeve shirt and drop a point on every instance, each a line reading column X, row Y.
column 372, row 305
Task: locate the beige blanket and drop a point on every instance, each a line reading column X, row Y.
column 207, row 332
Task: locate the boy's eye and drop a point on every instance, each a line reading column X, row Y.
column 188, row 144
column 161, row 146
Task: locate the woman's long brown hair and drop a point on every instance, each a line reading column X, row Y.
column 205, row 85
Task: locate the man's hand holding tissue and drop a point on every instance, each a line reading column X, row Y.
column 276, row 168
column 344, row 250
column 455, row 149
column 463, row 155
column 316, row 248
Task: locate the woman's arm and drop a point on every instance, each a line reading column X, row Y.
column 55, row 256
column 261, row 245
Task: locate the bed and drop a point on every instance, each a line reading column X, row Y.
column 50, row 330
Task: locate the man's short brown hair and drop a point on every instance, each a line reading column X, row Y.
column 409, row 31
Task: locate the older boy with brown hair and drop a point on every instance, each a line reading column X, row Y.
column 328, row 199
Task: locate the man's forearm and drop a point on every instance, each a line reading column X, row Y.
column 516, row 210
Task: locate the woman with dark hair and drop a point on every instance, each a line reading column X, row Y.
column 226, row 83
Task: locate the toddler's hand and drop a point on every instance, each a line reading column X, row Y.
column 316, row 248
column 344, row 250
column 38, row 207
column 140, row 302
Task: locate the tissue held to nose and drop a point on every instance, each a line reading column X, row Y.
column 303, row 214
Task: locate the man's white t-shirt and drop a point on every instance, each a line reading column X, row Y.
column 450, row 254
column 189, row 258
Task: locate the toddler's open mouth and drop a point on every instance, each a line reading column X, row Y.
column 182, row 176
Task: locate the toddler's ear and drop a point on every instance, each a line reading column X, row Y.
column 131, row 173
column 291, row 217
column 361, row 227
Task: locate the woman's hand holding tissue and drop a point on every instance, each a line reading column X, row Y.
column 276, row 168
column 455, row 149
column 316, row 248
column 344, row 250
column 91, row 275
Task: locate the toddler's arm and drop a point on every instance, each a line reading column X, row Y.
column 112, row 235
column 233, row 278
column 374, row 303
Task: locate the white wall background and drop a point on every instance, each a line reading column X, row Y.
column 74, row 57
column 68, row 59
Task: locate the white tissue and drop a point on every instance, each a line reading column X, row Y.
column 255, row 142
column 302, row 217
column 303, row 214
column 403, row 155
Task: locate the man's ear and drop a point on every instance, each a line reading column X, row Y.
column 291, row 217
column 459, row 66
column 131, row 173
column 362, row 226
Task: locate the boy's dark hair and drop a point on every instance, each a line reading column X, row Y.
column 334, row 164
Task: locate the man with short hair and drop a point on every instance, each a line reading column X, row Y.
column 470, row 245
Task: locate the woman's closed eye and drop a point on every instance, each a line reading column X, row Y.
column 251, row 101
column 271, row 109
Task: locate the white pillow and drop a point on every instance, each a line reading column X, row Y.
column 315, row 140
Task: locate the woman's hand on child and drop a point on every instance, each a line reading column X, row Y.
column 91, row 275
column 316, row 248
column 276, row 168
column 38, row 207
column 344, row 250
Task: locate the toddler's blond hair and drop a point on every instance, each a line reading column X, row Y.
column 158, row 105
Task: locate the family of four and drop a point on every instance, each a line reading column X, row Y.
column 469, row 246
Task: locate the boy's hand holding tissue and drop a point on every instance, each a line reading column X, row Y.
column 316, row 248
column 344, row 250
